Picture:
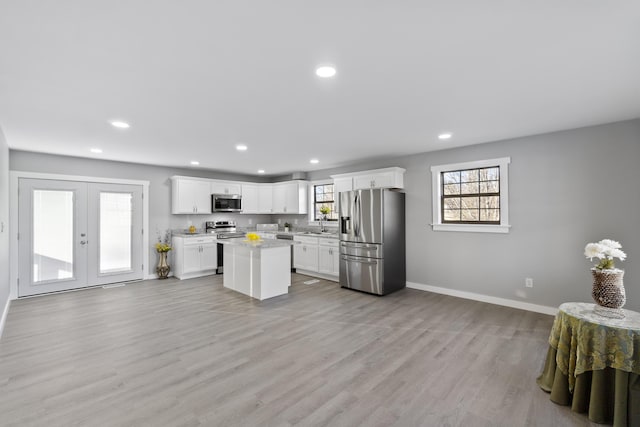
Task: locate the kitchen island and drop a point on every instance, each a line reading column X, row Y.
column 260, row 269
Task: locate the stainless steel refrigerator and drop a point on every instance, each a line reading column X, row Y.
column 372, row 241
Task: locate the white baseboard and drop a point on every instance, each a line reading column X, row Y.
column 155, row 276
column 316, row 274
column 485, row 298
column 3, row 319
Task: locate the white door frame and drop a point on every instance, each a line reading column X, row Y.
column 14, row 176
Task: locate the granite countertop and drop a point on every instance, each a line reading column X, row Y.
column 259, row 244
column 201, row 233
column 187, row 234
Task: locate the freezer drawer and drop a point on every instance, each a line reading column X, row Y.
column 368, row 250
column 362, row 274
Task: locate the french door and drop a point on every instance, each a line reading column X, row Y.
column 77, row 234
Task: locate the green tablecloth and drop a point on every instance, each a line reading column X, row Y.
column 593, row 364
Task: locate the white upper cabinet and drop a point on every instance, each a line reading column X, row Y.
column 226, row 187
column 290, row 197
column 190, row 196
column 250, row 198
column 193, row 196
column 257, row 198
column 342, row 184
column 378, row 178
column 265, row 198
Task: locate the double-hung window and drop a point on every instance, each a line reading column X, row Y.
column 471, row 196
column 324, row 199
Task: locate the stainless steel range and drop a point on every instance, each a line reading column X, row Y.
column 222, row 230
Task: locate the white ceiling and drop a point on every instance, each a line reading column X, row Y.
column 194, row 78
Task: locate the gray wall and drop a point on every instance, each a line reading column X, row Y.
column 4, row 218
column 565, row 189
column 160, row 217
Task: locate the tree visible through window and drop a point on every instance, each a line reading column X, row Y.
column 471, row 196
column 323, row 196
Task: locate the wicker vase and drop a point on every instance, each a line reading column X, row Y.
column 163, row 268
column 608, row 289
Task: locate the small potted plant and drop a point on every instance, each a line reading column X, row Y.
column 324, row 210
column 287, row 227
column 608, row 288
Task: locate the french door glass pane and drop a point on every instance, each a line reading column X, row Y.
column 52, row 235
column 116, row 221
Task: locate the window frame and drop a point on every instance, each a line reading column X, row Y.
column 312, row 204
column 436, row 195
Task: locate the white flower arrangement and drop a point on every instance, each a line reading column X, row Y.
column 605, row 250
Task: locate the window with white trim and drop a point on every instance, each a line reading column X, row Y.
column 324, row 200
column 471, row 196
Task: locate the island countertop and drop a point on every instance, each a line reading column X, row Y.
column 258, row 244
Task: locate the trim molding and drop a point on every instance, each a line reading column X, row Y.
column 3, row 319
column 485, row 298
column 317, row 274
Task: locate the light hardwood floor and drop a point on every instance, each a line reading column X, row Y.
column 189, row 353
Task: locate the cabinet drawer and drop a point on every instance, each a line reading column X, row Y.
column 198, row 240
column 328, row 242
column 304, row 239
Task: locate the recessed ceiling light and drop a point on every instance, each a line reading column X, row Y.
column 314, row 161
column 195, row 162
column 325, row 71
column 120, row 124
column 241, row 147
column 260, row 170
column 445, row 135
column 96, row 150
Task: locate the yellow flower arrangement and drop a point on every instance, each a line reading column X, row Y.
column 163, row 247
column 325, row 210
column 252, row 237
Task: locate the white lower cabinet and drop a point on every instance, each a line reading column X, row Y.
column 194, row 256
column 305, row 254
column 316, row 256
column 328, row 257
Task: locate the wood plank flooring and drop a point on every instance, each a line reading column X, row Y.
column 191, row 353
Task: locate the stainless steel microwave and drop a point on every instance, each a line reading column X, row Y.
column 226, row 203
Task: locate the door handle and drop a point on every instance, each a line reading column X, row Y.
column 359, row 260
column 357, row 246
column 84, row 242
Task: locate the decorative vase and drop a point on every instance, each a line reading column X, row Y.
column 163, row 268
column 608, row 289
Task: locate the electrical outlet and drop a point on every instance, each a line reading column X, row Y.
column 250, row 221
column 295, row 221
column 528, row 282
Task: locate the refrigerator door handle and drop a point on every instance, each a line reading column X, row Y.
column 358, row 260
column 356, row 215
column 359, row 245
